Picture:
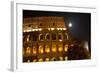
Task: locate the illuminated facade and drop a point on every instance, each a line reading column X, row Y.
column 45, row 39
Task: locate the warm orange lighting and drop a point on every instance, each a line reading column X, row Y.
column 47, row 49
column 28, row 38
column 41, row 49
column 60, row 40
column 24, row 31
column 34, row 60
column 40, row 60
column 41, row 37
column 33, row 29
column 66, row 48
column 61, row 58
column 46, row 39
column 52, row 59
column 61, row 28
column 47, row 59
column 48, row 28
column 58, row 29
column 66, row 58
column 28, row 30
column 60, row 49
column 53, row 48
column 28, row 50
column 34, row 51
column 36, row 29
column 52, row 28
column 40, row 29
column 64, row 28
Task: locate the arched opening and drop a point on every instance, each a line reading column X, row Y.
column 28, row 38
column 53, row 59
column 53, row 36
column 47, row 49
column 47, row 36
column 60, row 47
column 54, row 48
column 41, row 51
column 40, row 60
column 34, row 50
column 47, row 59
column 41, row 37
column 60, row 37
column 66, row 48
column 66, row 36
column 61, row 58
column 28, row 50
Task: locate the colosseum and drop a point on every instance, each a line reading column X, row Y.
column 45, row 38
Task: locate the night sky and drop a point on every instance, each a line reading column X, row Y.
column 81, row 22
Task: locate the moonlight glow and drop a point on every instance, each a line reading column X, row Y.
column 70, row 25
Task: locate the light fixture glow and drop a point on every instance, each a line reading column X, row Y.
column 60, row 40
column 60, row 28
column 60, row 49
column 66, row 48
column 53, row 49
column 34, row 51
column 33, row 29
column 57, row 28
column 52, row 28
column 28, row 30
column 41, row 49
column 40, row 29
column 48, row 28
column 47, row 50
column 36, row 29
column 64, row 28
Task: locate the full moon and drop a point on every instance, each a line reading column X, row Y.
column 70, row 25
